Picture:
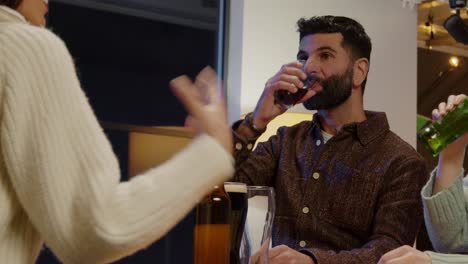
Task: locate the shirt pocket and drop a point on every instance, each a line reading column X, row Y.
column 348, row 199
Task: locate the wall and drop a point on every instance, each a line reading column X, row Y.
column 263, row 37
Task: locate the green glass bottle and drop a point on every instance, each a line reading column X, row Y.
column 437, row 135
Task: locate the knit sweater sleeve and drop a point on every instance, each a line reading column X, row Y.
column 62, row 167
column 440, row 258
column 446, row 216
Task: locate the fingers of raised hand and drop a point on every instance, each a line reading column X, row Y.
column 454, row 100
column 294, row 64
column 293, row 79
column 187, row 93
column 208, row 83
column 445, row 107
column 294, row 69
column 450, row 102
column 281, row 85
column 442, row 108
column 459, row 98
column 285, row 82
column 193, row 123
column 289, row 77
column 285, row 85
column 435, row 114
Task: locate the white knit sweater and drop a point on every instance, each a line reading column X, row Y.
column 59, row 179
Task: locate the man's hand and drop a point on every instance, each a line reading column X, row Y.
column 405, row 255
column 206, row 108
column 285, row 254
column 288, row 78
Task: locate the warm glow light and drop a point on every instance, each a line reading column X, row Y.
column 286, row 119
column 430, row 47
column 454, row 62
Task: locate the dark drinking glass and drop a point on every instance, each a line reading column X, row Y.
column 212, row 228
column 288, row 99
column 238, row 194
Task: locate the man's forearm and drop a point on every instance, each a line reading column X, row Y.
column 370, row 253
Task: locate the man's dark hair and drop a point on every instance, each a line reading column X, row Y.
column 13, row 4
column 354, row 36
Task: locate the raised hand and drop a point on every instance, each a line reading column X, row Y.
column 289, row 78
column 451, row 158
column 445, row 107
column 206, row 107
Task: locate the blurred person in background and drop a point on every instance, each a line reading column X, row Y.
column 59, row 178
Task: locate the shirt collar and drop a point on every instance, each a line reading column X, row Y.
column 10, row 15
column 375, row 125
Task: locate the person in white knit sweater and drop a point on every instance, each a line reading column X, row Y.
column 445, row 200
column 59, row 179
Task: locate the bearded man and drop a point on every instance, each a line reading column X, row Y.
column 347, row 188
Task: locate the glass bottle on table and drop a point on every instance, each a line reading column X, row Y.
column 212, row 228
column 439, row 134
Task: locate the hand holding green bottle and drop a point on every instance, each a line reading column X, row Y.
column 451, row 157
column 450, row 124
column 452, row 102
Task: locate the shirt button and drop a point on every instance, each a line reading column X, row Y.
column 305, row 210
column 238, row 146
column 249, row 146
column 318, row 142
column 316, row 175
column 302, row 243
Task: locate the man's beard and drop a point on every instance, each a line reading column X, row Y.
column 336, row 89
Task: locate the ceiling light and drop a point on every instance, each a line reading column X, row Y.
column 454, row 61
